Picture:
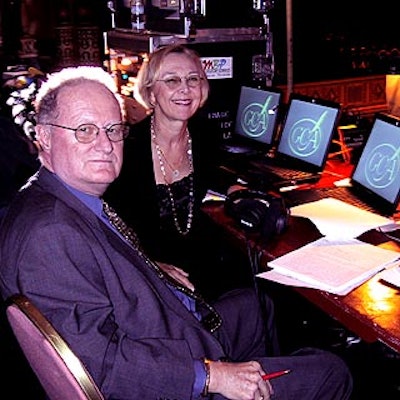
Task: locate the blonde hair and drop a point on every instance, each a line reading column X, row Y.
column 150, row 71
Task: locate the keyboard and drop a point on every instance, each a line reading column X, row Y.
column 281, row 176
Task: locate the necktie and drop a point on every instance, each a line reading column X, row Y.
column 117, row 222
column 212, row 320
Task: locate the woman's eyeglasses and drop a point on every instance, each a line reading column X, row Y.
column 173, row 82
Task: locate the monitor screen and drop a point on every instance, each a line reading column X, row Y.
column 378, row 168
column 308, row 129
column 257, row 113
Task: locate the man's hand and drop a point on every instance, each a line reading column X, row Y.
column 239, row 381
column 177, row 273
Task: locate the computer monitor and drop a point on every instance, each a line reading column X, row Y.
column 257, row 114
column 256, row 120
column 307, row 130
column 378, row 169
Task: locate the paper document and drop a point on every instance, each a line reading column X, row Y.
column 337, row 219
column 336, row 266
column 392, row 275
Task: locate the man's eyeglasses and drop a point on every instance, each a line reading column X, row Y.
column 86, row 133
column 173, row 82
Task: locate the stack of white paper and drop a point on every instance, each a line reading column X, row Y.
column 336, row 266
column 337, row 219
column 392, row 275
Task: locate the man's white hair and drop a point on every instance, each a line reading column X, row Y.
column 97, row 74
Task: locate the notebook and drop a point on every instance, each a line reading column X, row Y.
column 255, row 121
column 375, row 180
column 304, row 141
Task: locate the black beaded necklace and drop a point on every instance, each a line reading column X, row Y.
column 160, row 155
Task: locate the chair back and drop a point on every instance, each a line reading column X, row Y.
column 60, row 372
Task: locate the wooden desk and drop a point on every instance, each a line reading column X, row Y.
column 371, row 311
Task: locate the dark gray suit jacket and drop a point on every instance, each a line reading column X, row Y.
column 131, row 331
column 134, row 335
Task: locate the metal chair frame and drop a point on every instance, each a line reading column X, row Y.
column 42, row 344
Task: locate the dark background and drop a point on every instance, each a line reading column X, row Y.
column 331, row 40
column 335, row 39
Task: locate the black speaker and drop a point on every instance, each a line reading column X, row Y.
column 256, row 211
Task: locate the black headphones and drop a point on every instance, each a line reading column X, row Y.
column 257, row 211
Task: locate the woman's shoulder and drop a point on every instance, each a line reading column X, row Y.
column 206, row 136
column 201, row 122
column 139, row 136
column 204, row 130
column 140, row 129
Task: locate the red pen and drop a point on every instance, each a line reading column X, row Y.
column 272, row 375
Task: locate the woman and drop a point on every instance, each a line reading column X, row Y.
column 170, row 159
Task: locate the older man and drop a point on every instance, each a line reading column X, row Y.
column 141, row 334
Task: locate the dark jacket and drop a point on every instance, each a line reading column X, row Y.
column 112, row 309
column 213, row 264
column 132, row 332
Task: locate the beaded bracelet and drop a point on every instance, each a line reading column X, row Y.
column 207, row 382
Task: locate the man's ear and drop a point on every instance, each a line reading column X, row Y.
column 43, row 136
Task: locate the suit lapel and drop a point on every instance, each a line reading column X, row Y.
column 51, row 184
